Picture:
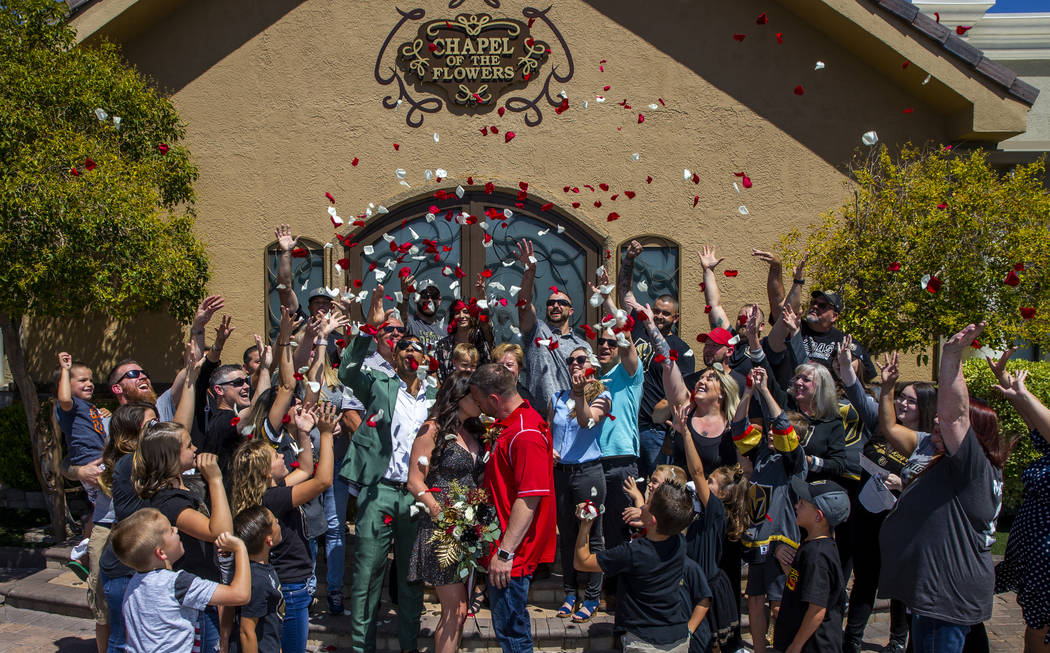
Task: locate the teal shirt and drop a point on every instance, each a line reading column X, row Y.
column 619, row 437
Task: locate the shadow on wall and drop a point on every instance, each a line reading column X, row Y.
column 200, row 34
column 840, row 102
column 155, row 340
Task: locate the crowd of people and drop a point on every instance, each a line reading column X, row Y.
column 659, row 476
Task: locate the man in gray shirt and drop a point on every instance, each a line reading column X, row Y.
column 547, row 343
column 424, row 322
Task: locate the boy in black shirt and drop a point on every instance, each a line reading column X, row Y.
column 654, row 572
column 261, row 617
column 810, row 618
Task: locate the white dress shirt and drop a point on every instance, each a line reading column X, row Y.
column 409, row 414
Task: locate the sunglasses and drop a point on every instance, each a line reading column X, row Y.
column 394, row 329
column 559, row 302
column 608, row 342
column 579, row 360
column 133, row 374
column 821, row 306
column 239, row 382
column 402, row 345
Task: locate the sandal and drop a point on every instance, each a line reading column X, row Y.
column 567, row 607
column 586, row 611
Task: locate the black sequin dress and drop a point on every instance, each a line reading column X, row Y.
column 456, row 464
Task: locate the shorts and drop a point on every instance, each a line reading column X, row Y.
column 95, row 595
column 766, row 578
column 635, row 644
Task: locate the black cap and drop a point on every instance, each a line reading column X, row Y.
column 832, row 298
column 827, row 496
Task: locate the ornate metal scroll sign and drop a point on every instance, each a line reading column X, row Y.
column 470, row 61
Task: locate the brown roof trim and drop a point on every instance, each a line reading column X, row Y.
column 995, row 73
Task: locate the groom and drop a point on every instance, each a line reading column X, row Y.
column 519, row 477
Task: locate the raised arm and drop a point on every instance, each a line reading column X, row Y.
column 1012, row 386
column 692, row 456
column 526, row 308
column 64, row 391
column 794, row 296
column 321, row 479
column 285, row 373
column 953, row 400
column 709, row 261
column 194, row 523
column 865, row 405
column 263, row 376
column 408, row 286
column 188, row 397
column 286, row 242
column 774, row 281
column 311, row 334
column 900, row 437
column 625, row 278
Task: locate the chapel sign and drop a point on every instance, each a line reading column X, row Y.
column 472, row 59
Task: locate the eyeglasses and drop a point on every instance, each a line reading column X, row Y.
column 559, row 302
column 821, row 306
column 239, row 382
column 133, row 374
column 402, row 345
column 579, row 360
column 608, row 342
column 394, row 329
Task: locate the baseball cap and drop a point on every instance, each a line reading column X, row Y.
column 827, row 496
column 320, row 291
column 719, row 335
column 831, row 296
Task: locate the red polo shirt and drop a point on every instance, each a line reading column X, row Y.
column 522, row 465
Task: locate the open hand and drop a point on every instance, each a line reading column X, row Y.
column 769, row 257
column 285, row 240
column 961, row 340
column 526, row 253
column 998, row 367
column 889, row 370
column 708, row 259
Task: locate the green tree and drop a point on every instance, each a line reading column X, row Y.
column 952, row 216
column 96, row 194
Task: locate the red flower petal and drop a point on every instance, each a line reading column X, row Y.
column 613, row 198
column 696, row 200
column 933, row 285
column 547, row 207
column 597, row 204
column 287, row 418
column 648, row 180
column 744, row 179
column 630, row 193
column 641, row 118
column 1012, row 279
column 484, row 131
column 89, row 164
column 397, row 148
column 761, row 20
column 606, row 88
column 962, row 29
column 354, row 162
column 508, row 137
column 330, row 198
column 894, row 267
column 294, row 464
column 493, row 129
column 501, row 111
column 1027, row 312
column 942, row 205
column 1019, row 267
column 344, row 263
column 696, row 178
column 905, row 64
column 612, row 216
column 163, row 148
column 731, row 273
column 300, row 252
column 909, row 110
column 799, row 90
column 604, row 186
column 387, row 520
column 575, row 205
column 780, row 37
column 234, row 421
column 937, row 16
column 432, row 47
column 74, row 172
column 740, row 37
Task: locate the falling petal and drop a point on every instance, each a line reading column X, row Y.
column 643, row 286
column 686, row 174
column 743, row 210
column 459, row 192
column 819, row 66
column 635, row 156
column 101, row 114
column 437, row 138
column 116, row 123
column 400, row 173
column 428, row 175
column 869, row 138
column 927, row 80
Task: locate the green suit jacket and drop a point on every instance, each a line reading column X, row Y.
column 370, row 448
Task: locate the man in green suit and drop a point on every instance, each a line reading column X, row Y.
column 377, row 461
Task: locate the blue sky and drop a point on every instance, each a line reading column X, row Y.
column 1009, row 6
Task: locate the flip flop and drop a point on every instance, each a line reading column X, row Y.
column 567, row 607
column 80, row 570
column 586, row 611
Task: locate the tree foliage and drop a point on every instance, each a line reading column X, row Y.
column 935, row 212
column 96, row 213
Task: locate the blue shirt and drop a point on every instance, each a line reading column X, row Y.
column 619, row 436
column 85, row 431
column 574, row 443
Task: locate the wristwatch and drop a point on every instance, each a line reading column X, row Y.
column 505, row 556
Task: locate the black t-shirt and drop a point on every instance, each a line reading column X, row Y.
column 266, row 606
column 822, row 347
column 653, row 386
column 125, row 502
column 703, row 539
column 714, row 452
column 650, row 575
column 815, row 578
column 199, row 557
column 693, row 590
column 291, row 558
column 222, row 439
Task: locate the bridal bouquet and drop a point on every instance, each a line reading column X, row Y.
column 464, row 529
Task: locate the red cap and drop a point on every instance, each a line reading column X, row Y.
column 719, row 335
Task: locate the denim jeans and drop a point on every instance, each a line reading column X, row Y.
column 209, row 627
column 335, row 500
column 114, row 589
column 650, row 442
column 929, row 635
column 296, row 625
column 510, row 615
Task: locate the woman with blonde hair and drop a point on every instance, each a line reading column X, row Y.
column 711, row 402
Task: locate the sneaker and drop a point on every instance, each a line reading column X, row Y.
column 895, row 647
column 335, row 606
column 851, row 644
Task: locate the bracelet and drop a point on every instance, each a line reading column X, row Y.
column 800, row 282
column 322, row 342
column 280, row 344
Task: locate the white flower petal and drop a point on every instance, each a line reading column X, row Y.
column 400, row 173
column 101, row 114
column 459, row 192
column 636, row 156
column 116, row 123
column 686, row 175
column 314, row 386
column 743, row 210
column 642, row 286
column 437, row 139
column 428, row 175
column 441, row 172
column 869, row 138
column 819, row 66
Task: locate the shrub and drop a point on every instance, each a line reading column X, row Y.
column 981, row 383
column 16, row 468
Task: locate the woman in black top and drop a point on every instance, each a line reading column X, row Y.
column 711, row 403
column 465, row 325
column 813, row 394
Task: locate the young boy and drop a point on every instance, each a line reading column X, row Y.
column 811, row 612
column 664, row 592
column 776, row 459
column 83, row 425
column 261, row 618
column 161, row 606
column 464, row 358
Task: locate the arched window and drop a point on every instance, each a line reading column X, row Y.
column 656, row 269
column 308, row 272
column 452, row 250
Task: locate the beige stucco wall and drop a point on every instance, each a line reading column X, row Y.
column 280, row 96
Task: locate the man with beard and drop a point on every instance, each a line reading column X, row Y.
column 377, row 462
column 665, row 317
column 424, row 322
column 820, row 337
column 546, row 343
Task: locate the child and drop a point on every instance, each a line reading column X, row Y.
column 261, row 617
column 632, row 514
column 261, row 478
column 655, row 573
column 811, row 612
column 775, row 460
column 161, row 606
column 465, row 358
